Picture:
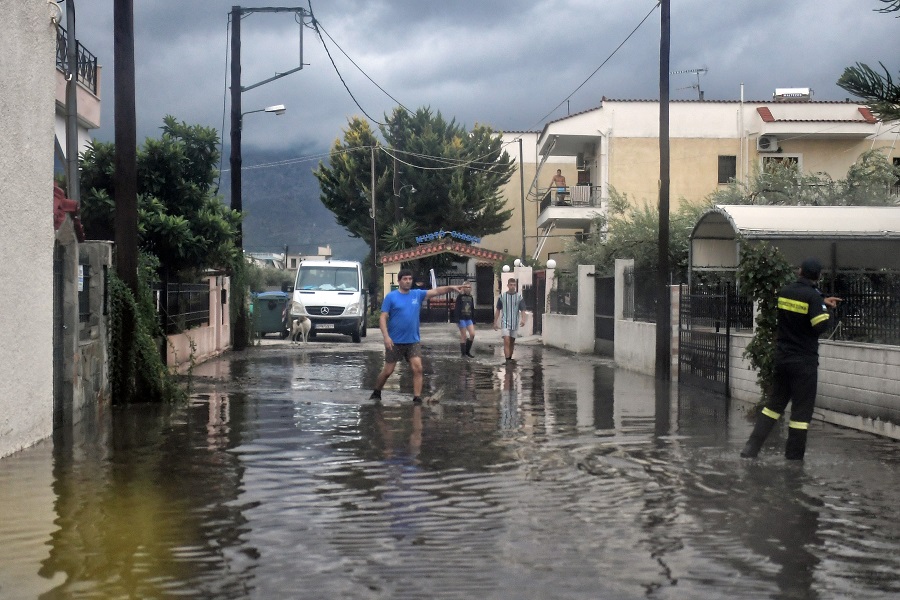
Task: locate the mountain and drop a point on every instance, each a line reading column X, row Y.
column 282, row 207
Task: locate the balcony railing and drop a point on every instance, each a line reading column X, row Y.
column 87, row 62
column 573, row 195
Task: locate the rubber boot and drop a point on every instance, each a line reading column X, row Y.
column 462, row 348
column 468, row 351
column 795, row 447
column 759, row 434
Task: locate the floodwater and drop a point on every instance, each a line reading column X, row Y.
column 554, row 477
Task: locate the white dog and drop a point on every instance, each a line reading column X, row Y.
column 300, row 327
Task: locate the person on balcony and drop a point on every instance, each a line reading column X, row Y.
column 559, row 182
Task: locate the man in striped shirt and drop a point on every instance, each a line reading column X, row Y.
column 509, row 316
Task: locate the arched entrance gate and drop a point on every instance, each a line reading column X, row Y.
column 479, row 268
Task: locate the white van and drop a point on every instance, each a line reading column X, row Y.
column 332, row 293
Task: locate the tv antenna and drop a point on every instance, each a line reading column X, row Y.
column 696, row 86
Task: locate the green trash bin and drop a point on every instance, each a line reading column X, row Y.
column 268, row 308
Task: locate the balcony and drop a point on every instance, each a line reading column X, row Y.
column 571, row 207
column 87, row 62
column 87, row 76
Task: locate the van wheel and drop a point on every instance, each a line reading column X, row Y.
column 356, row 337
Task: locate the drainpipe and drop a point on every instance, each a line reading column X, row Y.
column 72, row 106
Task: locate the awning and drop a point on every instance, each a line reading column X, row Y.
column 842, row 237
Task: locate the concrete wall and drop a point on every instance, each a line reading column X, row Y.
column 28, row 64
column 574, row 333
column 209, row 340
column 858, row 384
column 91, row 385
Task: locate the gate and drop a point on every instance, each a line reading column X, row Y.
column 439, row 309
column 704, row 337
column 540, row 301
column 604, row 315
column 58, row 329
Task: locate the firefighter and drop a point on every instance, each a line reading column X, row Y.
column 802, row 317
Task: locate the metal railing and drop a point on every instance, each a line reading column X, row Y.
column 87, row 62
column 719, row 304
column 186, row 306
column 639, row 295
column 573, row 195
column 564, row 297
column 870, row 307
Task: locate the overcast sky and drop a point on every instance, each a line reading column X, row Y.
column 508, row 64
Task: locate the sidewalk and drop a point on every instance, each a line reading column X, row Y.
column 484, row 334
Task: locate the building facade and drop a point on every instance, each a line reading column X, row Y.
column 616, row 146
column 27, row 50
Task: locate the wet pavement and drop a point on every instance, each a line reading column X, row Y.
column 556, row 476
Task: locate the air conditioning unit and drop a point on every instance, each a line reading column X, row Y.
column 767, row 143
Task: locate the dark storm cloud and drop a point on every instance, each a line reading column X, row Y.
column 503, row 63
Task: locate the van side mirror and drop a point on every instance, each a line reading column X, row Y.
column 287, row 288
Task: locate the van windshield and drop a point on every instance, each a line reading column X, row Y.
column 328, row 278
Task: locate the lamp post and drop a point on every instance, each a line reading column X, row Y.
column 373, row 285
column 397, row 207
column 237, row 204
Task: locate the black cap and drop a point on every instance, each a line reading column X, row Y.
column 811, row 268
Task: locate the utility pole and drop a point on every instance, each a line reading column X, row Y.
column 240, row 324
column 522, row 189
column 72, row 176
column 374, row 284
column 663, row 303
column 125, row 179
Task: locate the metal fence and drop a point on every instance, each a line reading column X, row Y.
column 564, row 295
column 870, row 307
column 639, row 295
column 720, row 303
column 182, row 306
column 87, row 62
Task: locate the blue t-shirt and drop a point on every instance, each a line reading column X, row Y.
column 403, row 315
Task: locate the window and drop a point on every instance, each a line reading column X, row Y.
column 769, row 162
column 727, row 168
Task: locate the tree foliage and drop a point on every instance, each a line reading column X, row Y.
column 632, row 231
column 180, row 219
column 457, row 175
column 868, row 183
column 762, row 272
column 880, row 91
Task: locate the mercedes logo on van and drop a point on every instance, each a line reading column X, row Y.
column 324, row 310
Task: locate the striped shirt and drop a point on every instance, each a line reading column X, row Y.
column 509, row 306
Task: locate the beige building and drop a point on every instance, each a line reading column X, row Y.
column 616, row 145
column 27, row 46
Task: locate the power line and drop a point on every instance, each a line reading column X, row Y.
column 315, row 24
column 608, row 58
column 400, row 104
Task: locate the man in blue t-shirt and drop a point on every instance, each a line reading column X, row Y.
column 399, row 324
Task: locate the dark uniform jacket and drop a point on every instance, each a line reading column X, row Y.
column 802, row 318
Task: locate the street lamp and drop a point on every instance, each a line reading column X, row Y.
column 278, row 109
column 397, row 207
column 237, row 203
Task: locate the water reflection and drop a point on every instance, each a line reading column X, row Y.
column 555, row 476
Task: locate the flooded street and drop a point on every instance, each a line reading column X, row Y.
column 556, row 476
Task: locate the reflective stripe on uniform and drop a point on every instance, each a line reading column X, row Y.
column 794, row 306
column 771, row 413
column 798, row 425
column 819, row 318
